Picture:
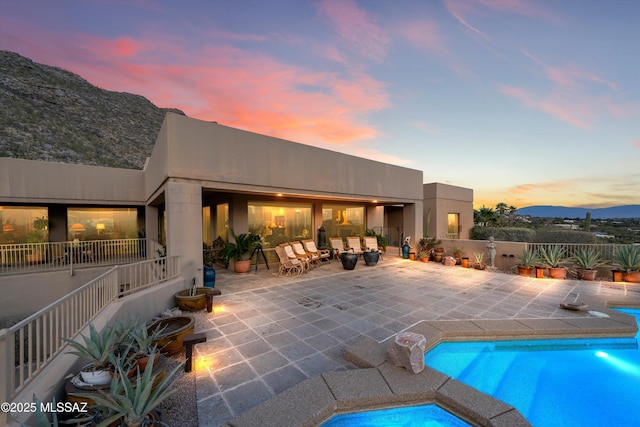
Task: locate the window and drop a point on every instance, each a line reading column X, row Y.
column 280, row 222
column 102, row 223
column 206, row 225
column 453, row 221
column 24, row 224
column 343, row 220
column 222, row 221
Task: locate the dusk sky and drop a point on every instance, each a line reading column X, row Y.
column 526, row 101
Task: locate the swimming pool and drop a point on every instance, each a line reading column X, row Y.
column 560, row 382
column 408, row 416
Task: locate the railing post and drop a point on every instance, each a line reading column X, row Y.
column 4, row 373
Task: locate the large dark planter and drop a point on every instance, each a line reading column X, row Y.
column 349, row 260
column 174, row 329
column 371, row 258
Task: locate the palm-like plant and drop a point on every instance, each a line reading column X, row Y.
column 240, row 249
column 382, row 241
column 627, row 257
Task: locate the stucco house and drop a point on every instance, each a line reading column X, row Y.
column 204, row 178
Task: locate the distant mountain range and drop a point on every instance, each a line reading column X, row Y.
column 625, row 211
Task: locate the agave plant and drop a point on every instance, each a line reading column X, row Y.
column 627, row 257
column 588, row 259
column 528, row 258
column 132, row 402
column 97, row 346
column 552, row 256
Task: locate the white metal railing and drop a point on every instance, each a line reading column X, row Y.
column 32, row 257
column 26, row 348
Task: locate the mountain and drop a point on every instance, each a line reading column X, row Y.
column 47, row 113
column 625, row 211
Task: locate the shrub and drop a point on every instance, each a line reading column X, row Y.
column 563, row 236
column 504, row 234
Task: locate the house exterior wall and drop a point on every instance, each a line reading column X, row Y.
column 443, row 199
column 33, row 182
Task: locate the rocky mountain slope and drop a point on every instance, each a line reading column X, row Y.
column 47, row 113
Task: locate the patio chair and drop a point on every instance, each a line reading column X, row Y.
column 337, row 245
column 304, row 259
column 299, row 250
column 371, row 243
column 288, row 267
column 310, row 246
column 354, row 245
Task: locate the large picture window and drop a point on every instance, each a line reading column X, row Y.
column 24, row 224
column 453, row 222
column 343, row 220
column 102, row 223
column 280, row 222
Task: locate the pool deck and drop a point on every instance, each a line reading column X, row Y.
column 286, row 351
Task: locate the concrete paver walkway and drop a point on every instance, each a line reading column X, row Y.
column 269, row 333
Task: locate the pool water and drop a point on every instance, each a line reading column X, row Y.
column 561, row 382
column 408, row 416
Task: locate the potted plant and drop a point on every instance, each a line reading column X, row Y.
column 239, row 251
column 132, row 402
column 96, row 348
column 142, row 343
column 552, row 256
column 457, row 254
column 526, row 261
column 587, row 261
column 479, row 264
column 382, row 241
column 427, row 246
column 627, row 258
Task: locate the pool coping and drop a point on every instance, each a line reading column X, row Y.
column 379, row 384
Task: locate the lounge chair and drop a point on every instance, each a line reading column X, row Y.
column 288, row 267
column 310, row 247
column 304, row 259
column 300, row 251
column 371, row 244
column 337, row 245
column 354, row 245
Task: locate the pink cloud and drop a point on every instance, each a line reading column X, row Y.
column 423, row 34
column 356, row 27
column 572, row 111
column 636, row 144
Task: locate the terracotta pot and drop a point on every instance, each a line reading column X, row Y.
column 425, row 259
column 589, row 275
column 242, row 266
column 617, row 275
column 465, row 262
column 540, row 272
column 631, row 276
column 557, row 272
column 524, row 271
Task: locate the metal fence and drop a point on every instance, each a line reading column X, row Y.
column 27, row 347
column 32, row 257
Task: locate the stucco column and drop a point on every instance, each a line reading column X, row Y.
column 412, row 222
column 375, row 218
column 183, row 203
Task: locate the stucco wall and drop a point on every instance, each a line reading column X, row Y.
column 444, row 199
column 30, row 181
column 233, row 159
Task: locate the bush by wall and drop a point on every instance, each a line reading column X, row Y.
column 540, row 235
column 504, row 234
column 563, row 236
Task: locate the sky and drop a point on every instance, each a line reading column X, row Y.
column 527, row 102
